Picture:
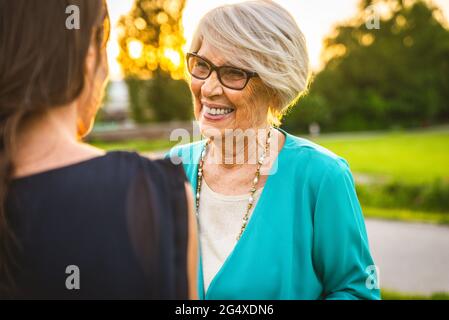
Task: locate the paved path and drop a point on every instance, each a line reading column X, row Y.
column 411, row 257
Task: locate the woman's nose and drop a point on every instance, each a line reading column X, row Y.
column 212, row 86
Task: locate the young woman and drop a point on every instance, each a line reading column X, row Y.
column 76, row 222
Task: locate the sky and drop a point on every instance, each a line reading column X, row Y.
column 315, row 18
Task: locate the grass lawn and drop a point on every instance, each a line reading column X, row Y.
column 418, row 157
column 392, row 295
column 135, row 145
column 414, row 157
column 411, row 157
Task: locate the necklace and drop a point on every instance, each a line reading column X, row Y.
column 253, row 187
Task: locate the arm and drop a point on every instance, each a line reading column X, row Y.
column 341, row 251
column 192, row 246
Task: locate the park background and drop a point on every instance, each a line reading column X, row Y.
column 379, row 97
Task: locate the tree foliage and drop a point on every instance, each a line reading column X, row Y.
column 151, row 57
column 397, row 75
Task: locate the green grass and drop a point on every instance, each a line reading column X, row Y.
column 135, row 145
column 413, row 157
column 392, row 295
column 406, row 215
column 409, row 157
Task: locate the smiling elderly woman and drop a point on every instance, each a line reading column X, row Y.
column 287, row 225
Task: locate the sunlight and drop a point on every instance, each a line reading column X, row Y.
column 316, row 19
column 116, row 8
column 135, row 48
column 173, row 56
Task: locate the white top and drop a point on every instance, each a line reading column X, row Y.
column 220, row 219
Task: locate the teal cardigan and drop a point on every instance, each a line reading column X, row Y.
column 306, row 238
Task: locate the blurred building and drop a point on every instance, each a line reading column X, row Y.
column 116, row 106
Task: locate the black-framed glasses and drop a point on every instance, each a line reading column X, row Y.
column 230, row 77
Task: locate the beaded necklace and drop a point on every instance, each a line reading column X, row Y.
column 253, row 187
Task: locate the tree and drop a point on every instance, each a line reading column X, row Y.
column 397, row 75
column 151, row 57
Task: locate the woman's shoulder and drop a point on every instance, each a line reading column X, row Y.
column 189, row 150
column 187, row 154
column 111, row 170
column 133, row 163
column 316, row 167
column 316, row 159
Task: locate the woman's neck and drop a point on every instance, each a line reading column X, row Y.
column 49, row 140
column 239, row 147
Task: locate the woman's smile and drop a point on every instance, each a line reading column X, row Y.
column 214, row 112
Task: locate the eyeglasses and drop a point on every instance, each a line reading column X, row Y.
column 230, row 77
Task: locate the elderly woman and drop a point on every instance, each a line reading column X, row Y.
column 287, row 225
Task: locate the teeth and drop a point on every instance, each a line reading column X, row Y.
column 217, row 111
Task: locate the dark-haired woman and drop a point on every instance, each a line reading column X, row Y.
column 76, row 222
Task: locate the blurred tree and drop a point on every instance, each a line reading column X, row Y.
column 152, row 60
column 397, row 75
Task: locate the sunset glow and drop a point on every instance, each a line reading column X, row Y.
column 315, row 18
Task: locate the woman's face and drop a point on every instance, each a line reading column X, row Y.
column 94, row 88
column 243, row 109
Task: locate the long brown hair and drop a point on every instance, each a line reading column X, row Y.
column 42, row 65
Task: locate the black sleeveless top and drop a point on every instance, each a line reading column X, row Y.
column 116, row 225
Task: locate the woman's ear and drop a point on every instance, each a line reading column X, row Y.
column 92, row 93
column 91, row 61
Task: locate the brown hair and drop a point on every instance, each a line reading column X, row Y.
column 42, row 66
